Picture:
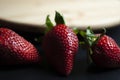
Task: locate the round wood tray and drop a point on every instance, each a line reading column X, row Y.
column 77, row 13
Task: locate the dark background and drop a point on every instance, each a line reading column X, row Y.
column 81, row 71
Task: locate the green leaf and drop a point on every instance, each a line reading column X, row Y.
column 49, row 24
column 59, row 18
column 83, row 34
column 76, row 30
column 90, row 36
column 89, row 30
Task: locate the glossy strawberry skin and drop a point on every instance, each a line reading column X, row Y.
column 14, row 49
column 60, row 46
column 106, row 53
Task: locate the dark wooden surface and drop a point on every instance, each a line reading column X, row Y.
column 81, row 70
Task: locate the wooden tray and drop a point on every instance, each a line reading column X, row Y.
column 77, row 13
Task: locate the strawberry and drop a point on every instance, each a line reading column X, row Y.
column 14, row 49
column 104, row 51
column 60, row 45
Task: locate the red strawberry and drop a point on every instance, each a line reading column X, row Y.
column 14, row 49
column 106, row 53
column 104, row 50
column 60, row 45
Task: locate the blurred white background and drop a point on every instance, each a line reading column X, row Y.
column 77, row 13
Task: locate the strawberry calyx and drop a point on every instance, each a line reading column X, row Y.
column 49, row 24
column 58, row 20
column 88, row 36
column 89, row 40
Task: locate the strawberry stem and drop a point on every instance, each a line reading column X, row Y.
column 58, row 19
column 89, row 60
